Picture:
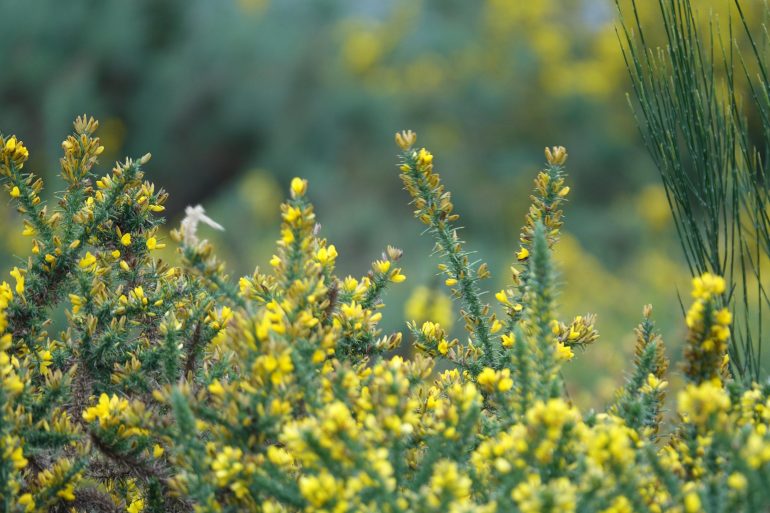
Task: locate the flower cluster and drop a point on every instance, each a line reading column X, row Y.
column 173, row 389
column 709, row 330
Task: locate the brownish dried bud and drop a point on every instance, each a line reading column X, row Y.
column 405, row 139
column 556, row 156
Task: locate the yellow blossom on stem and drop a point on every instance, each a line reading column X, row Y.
column 106, row 410
column 298, row 187
column 88, row 262
column 136, row 506
column 18, row 275
column 382, row 266
column 397, row 276
column 326, row 255
column 152, row 243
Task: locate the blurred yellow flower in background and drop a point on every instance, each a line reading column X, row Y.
column 428, row 304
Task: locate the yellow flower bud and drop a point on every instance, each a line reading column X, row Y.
column 298, row 187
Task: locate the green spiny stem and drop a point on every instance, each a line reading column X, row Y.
column 225, row 287
column 27, row 313
column 373, row 294
column 549, row 202
column 443, row 232
column 540, row 304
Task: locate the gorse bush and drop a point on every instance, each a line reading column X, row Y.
column 171, row 389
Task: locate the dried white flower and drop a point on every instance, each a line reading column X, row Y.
column 189, row 228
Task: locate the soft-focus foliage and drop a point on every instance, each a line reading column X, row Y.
column 172, row 389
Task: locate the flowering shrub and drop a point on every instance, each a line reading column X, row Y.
column 170, row 389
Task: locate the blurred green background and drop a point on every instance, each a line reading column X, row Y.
column 234, row 98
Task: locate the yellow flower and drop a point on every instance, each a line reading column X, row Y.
column 564, row 352
column 15, row 150
column 88, row 261
column 298, row 187
column 136, row 506
column 396, row 276
column 449, row 481
column 319, row 489
column 523, row 254
column 15, row 192
column 698, row 403
column 505, row 382
column 152, row 243
column 278, row 456
column 428, row 304
column 737, row 481
column 138, row 294
column 326, row 254
column 106, row 410
column 18, row 275
column 707, row 285
column 12, row 383
column 487, row 379
column 382, row 266
column 227, row 465
column 27, row 501
column 429, row 329
column 450, row 282
column 67, row 493
column 292, row 215
column 692, row 503
column 216, row 388
column 424, row 157
column 46, row 360
column 126, row 239
column 18, row 459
